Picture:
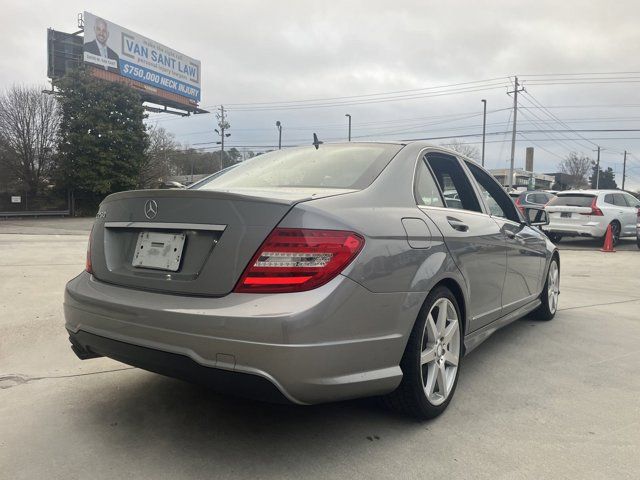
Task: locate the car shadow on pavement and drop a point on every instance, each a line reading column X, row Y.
column 576, row 243
column 193, row 423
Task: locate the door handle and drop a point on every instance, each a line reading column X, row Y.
column 457, row 224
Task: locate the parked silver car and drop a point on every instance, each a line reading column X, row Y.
column 588, row 213
column 312, row 275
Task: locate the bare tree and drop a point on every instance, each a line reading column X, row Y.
column 29, row 122
column 158, row 161
column 578, row 167
column 469, row 151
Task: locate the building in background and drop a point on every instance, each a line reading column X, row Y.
column 563, row 181
column 522, row 179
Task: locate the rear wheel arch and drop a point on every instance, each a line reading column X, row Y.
column 413, row 394
column 454, row 287
column 618, row 223
column 556, row 256
column 457, row 291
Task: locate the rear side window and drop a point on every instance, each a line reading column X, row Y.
column 454, row 184
column 541, row 198
column 631, row 200
column 426, row 191
column 573, row 200
column 608, row 198
column 330, row 166
column 619, row 200
column 538, row 198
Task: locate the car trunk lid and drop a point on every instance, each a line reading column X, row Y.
column 208, row 237
column 573, row 208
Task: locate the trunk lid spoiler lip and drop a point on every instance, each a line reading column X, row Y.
column 276, row 196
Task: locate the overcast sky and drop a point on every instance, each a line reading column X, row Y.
column 277, row 51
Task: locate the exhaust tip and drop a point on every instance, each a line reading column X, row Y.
column 81, row 352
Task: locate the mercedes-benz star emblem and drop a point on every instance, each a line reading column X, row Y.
column 151, row 209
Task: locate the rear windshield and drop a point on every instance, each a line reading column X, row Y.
column 573, row 200
column 330, row 166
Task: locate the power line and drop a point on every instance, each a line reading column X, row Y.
column 371, row 101
column 544, row 109
column 351, row 97
column 576, row 74
column 165, row 119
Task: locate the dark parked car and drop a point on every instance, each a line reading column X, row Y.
column 311, row 275
column 531, row 198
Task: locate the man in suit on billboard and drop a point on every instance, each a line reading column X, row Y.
column 99, row 46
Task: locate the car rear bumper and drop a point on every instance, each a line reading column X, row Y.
column 336, row 342
column 587, row 229
column 87, row 345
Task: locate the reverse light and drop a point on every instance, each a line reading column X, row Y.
column 595, row 211
column 296, row 260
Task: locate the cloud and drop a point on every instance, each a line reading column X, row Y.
column 285, row 50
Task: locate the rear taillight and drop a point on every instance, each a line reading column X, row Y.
column 595, row 211
column 87, row 266
column 519, row 205
column 295, row 260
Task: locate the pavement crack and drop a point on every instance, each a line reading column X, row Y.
column 14, row 380
column 599, row 304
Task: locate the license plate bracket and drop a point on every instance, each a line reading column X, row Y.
column 565, row 214
column 159, row 250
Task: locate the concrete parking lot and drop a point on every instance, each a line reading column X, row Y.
column 537, row 400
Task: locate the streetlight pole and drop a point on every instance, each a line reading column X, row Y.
column 484, row 126
column 349, row 115
column 279, row 127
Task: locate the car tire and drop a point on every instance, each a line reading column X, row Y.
column 554, row 237
column 615, row 230
column 550, row 293
column 431, row 360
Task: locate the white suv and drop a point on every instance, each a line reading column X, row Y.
column 588, row 213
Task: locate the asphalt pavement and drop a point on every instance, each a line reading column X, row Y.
column 537, row 400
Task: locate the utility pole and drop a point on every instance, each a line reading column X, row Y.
column 598, row 169
column 484, row 126
column 513, row 133
column 349, row 115
column 222, row 125
column 624, row 169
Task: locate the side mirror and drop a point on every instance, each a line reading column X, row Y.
column 536, row 217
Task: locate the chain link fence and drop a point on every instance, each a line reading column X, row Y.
column 25, row 204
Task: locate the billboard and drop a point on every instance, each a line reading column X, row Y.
column 117, row 50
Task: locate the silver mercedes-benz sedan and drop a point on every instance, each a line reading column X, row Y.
column 315, row 274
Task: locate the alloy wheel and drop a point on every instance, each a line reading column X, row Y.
column 553, row 286
column 615, row 230
column 440, row 352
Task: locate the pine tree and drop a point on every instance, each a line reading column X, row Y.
column 102, row 137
